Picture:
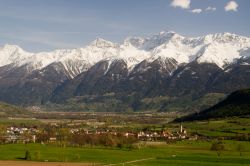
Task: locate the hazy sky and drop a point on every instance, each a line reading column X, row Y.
column 43, row 25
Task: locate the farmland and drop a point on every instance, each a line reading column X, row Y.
column 179, row 153
column 233, row 133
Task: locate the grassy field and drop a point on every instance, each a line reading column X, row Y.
column 220, row 128
column 180, row 153
column 20, row 121
column 145, row 154
column 35, row 163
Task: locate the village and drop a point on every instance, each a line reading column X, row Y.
column 53, row 134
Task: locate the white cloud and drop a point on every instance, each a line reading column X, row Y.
column 196, row 11
column 210, row 8
column 185, row 4
column 231, row 6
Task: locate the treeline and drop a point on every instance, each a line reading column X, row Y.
column 108, row 140
column 63, row 137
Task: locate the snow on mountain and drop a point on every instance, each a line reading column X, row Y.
column 12, row 54
column 220, row 48
column 179, row 48
column 224, row 48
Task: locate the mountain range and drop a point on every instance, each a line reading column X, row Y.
column 165, row 64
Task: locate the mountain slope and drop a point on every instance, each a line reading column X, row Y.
column 165, row 64
column 193, row 78
column 233, row 78
column 236, row 104
column 7, row 110
column 22, row 87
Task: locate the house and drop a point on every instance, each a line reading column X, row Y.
column 52, row 139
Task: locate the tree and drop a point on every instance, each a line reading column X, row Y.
column 218, row 147
column 240, row 148
column 27, row 155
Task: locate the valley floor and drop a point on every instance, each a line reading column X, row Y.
column 146, row 154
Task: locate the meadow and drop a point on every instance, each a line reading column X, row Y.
column 228, row 127
column 179, row 153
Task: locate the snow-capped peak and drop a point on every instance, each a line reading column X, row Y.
column 219, row 48
column 12, row 54
column 152, row 42
column 10, row 47
column 222, row 48
column 134, row 41
column 225, row 38
column 99, row 42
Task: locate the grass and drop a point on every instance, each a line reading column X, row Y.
column 218, row 128
column 177, row 154
column 180, row 153
column 20, row 121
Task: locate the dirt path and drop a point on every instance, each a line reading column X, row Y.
column 31, row 163
column 129, row 162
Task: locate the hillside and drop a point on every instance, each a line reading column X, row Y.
column 111, row 102
column 7, row 110
column 236, row 104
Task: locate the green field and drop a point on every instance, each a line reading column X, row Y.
column 147, row 153
column 180, row 153
column 229, row 127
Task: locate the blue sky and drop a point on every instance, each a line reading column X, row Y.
column 44, row 25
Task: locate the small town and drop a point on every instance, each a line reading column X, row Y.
column 52, row 134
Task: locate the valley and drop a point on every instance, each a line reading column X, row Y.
column 166, row 99
column 124, row 83
column 143, row 138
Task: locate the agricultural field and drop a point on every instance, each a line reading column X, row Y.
column 179, row 153
column 228, row 127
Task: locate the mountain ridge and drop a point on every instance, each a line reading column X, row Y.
column 133, row 50
column 166, row 64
